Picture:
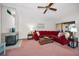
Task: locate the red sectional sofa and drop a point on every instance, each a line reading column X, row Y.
column 53, row 34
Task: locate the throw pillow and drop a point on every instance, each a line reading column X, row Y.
column 60, row 34
column 38, row 33
column 67, row 35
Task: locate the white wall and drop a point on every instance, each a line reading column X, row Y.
column 8, row 21
column 0, row 24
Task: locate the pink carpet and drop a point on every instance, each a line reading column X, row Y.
column 33, row 48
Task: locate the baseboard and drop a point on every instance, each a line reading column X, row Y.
column 23, row 39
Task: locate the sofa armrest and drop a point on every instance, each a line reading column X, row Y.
column 63, row 40
column 35, row 36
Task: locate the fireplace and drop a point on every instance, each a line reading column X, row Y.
column 10, row 38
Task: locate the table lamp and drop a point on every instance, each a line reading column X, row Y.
column 73, row 30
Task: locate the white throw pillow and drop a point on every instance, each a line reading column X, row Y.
column 60, row 34
column 67, row 35
column 38, row 33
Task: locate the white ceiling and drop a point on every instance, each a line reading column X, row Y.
column 63, row 10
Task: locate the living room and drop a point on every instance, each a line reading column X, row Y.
column 28, row 18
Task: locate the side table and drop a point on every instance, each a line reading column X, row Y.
column 73, row 42
column 29, row 36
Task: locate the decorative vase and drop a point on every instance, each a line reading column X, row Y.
column 12, row 30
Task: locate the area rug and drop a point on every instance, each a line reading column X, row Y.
column 18, row 44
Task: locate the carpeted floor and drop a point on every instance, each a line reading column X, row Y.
column 33, row 48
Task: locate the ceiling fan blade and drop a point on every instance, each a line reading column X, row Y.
column 53, row 9
column 41, row 7
column 45, row 11
column 50, row 4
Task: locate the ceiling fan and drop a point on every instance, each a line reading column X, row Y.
column 48, row 7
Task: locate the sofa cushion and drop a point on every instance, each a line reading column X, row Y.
column 47, row 33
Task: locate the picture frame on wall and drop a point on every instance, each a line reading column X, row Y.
column 40, row 26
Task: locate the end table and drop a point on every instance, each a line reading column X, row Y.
column 29, row 36
column 73, row 42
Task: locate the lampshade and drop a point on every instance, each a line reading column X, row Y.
column 73, row 29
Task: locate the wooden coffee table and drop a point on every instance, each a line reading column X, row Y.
column 45, row 40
